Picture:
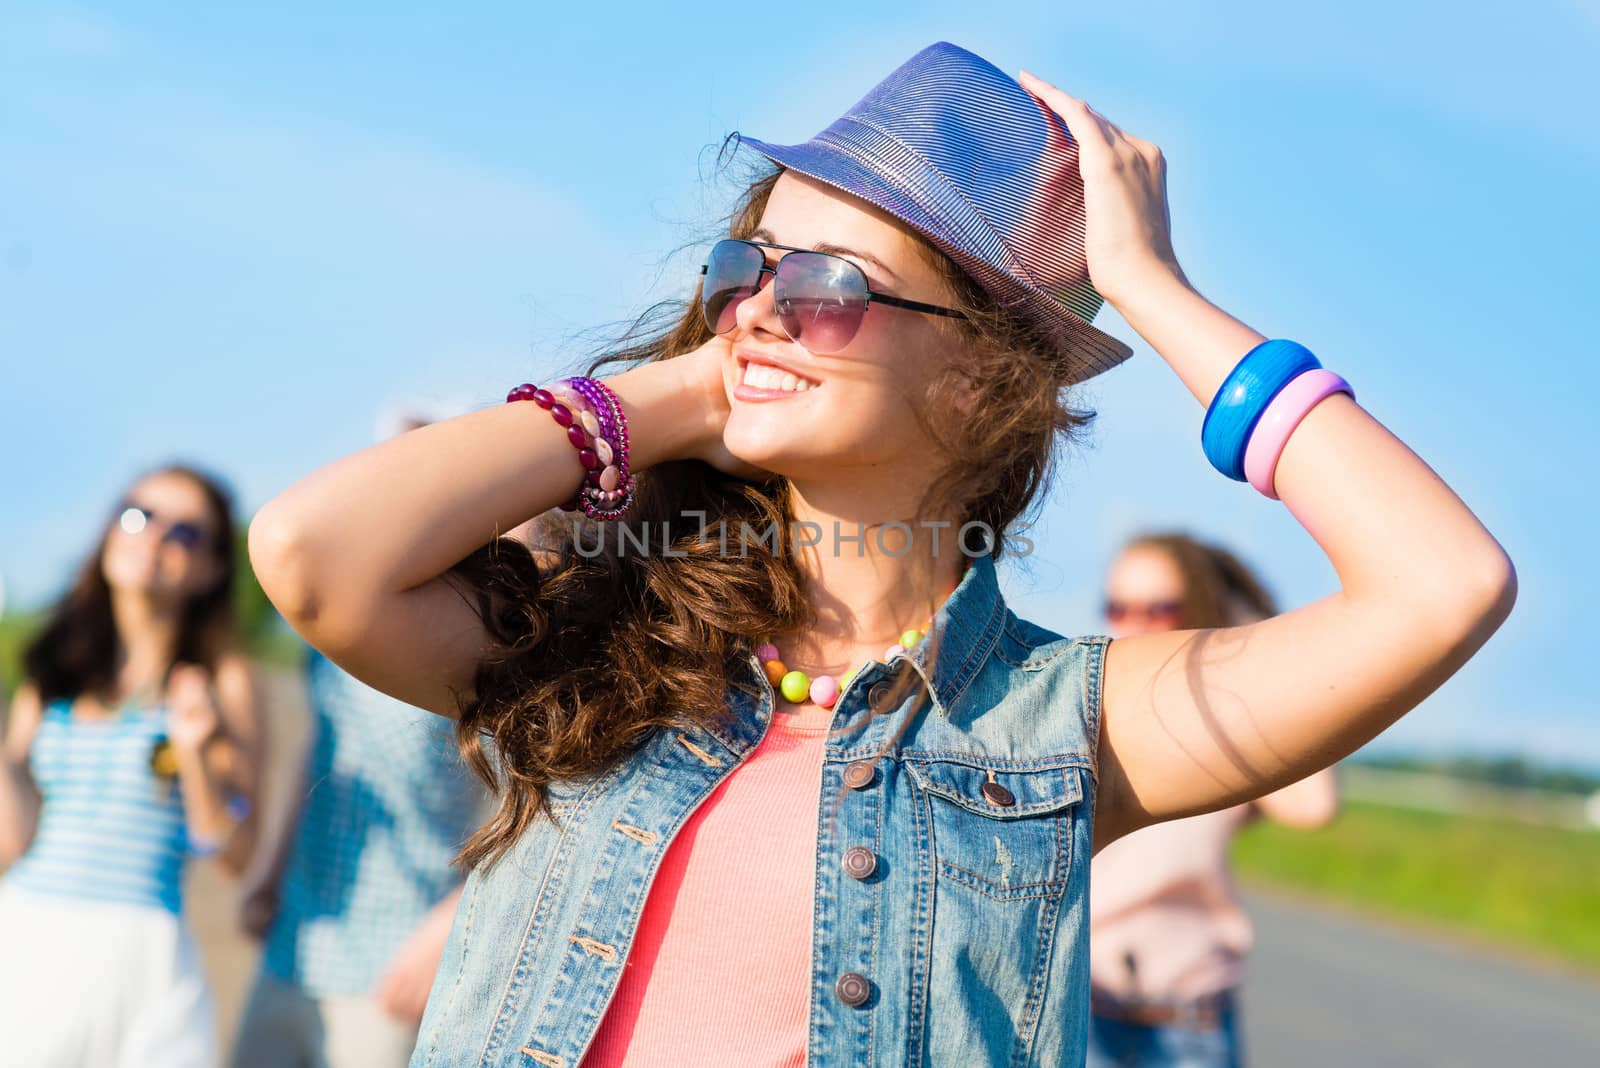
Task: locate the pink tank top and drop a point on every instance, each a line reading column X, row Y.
column 722, row 959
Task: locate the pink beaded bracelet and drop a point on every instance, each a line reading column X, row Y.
column 1292, row 404
column 608, row 494
column 606, row 491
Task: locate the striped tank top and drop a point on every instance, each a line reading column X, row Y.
column 110, row 828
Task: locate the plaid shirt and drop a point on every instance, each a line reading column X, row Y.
column 388, row 803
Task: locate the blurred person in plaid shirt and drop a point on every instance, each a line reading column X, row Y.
column 355, row 902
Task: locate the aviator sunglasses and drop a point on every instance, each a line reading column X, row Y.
column 1153, row 613
column 136, row 519
column 820, row 298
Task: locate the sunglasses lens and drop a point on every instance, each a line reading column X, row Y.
column 820, row 299
column 1155, row 612
column 733, row 272
column 185, row 535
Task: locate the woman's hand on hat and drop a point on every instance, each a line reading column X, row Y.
column 1127, row 225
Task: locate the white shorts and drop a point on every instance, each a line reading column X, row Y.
column 96, row 983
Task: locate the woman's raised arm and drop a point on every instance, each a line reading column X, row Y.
column 19, row 796
column 1196, row 720
column 353, row 554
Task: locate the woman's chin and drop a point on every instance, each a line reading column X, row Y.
column 774, row 448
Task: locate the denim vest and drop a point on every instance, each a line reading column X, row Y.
column 966, row 944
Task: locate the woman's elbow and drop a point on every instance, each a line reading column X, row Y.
column 282, row 565
column 1488, row 589
column 1463, row 601
column 1311, row 813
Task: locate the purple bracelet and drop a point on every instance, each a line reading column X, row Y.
column 614, row 425
column 608, row 492
column 595, row 425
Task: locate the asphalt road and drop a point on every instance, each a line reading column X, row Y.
column 1329, row 989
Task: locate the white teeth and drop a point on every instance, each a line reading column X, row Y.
column 765, row 376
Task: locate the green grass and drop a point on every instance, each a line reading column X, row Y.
column 14, row 632
column 269, row 642
column 1526, row 887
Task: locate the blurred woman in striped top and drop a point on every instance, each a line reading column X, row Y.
column 132, row 745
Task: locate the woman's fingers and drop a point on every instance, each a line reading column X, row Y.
column 1084, row 121
column 1092, row 131
column 1126, row 220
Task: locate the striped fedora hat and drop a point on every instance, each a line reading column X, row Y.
column 963, row 154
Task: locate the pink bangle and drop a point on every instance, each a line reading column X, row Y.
column 1303, row 393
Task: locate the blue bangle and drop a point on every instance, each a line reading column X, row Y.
column 1244, row 395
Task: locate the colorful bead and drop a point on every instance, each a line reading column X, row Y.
column 602, row 448
column 824, row 691
column 590, row 423
column 561, row 414
column 525, row 391
column 795, row 686
column 543, row 398
column 579, row 439
column 609, row 478
column 588, row 457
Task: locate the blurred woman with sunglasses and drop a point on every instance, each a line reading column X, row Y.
column 132, row 746
column 1167, row 934
column 782, row 779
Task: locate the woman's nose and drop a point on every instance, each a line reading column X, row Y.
column 756, row 313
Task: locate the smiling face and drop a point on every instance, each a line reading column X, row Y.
column 162, row 542
column 804, row 414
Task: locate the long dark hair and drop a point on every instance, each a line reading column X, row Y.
column 76, row 650
column 592, row 654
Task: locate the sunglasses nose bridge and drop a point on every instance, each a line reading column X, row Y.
column 759, row 310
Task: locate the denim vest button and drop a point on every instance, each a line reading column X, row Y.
column 878, row 696
column 859, row 775
column 996, row 794
column 859, row 862
column 853, row 989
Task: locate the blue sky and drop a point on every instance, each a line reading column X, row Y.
column 238, row 235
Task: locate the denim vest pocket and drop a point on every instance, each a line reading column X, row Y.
column 1003, row 831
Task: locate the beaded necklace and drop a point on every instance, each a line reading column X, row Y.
column 797, row 687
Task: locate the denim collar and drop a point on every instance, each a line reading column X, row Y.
column 972, row 618
column 971, row 621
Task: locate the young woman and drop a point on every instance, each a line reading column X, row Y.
column 131, row 746
column 887, row 862
column 1167, row 933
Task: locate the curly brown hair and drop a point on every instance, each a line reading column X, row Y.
column 593, row 652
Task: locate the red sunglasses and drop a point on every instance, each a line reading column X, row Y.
column 1120, row 612
column 820, row 298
